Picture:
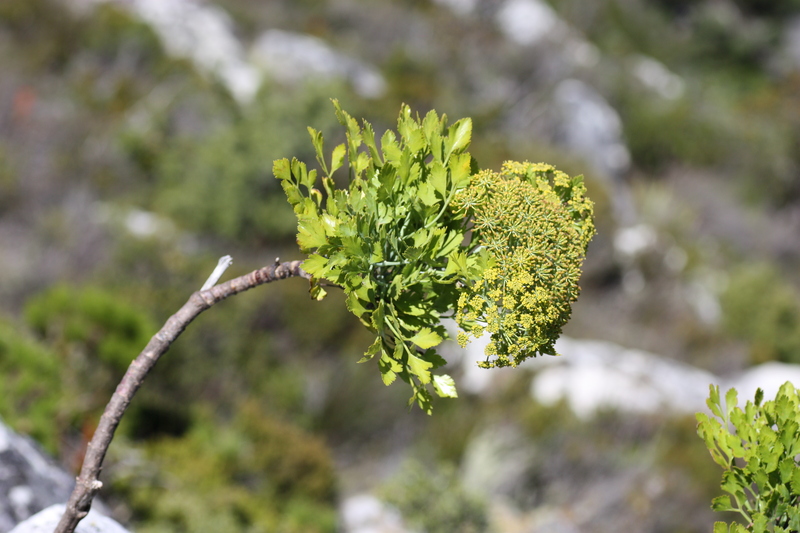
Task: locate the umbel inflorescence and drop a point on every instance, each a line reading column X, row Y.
column 536, row 223
column 419, row 234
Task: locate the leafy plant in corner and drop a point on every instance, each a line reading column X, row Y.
column 758, row 448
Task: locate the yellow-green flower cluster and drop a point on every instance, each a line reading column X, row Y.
column 535, row 222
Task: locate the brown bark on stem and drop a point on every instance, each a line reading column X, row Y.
column 87, row 483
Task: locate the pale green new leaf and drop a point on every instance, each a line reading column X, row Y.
column 444, row 386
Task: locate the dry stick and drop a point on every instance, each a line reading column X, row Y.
column 87, row 483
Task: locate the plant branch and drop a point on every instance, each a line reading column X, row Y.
column 87, row 483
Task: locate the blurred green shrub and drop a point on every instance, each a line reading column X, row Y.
column 757, row 448
column 432, row 500
column 91, row 337
column 725, row 38
column 662, row 133
column 769, row 8
column 254, row 474
column 89, row 323
column 51, row 37
column 762, row 308
column 219, row 182
column 30, row 386
column 8, row 181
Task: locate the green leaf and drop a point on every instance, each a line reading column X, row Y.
column 444, row 386
column 361, row 163
column 391, row 152
column 438, row 178
column 300, row 173
column 281, row 169
column 460, row 170
column 722, row 503
column 713, row 400
column 759, row 523
column 431, row 125
column 317, row 292
column 316, row 140
column 293, row 193
column 369, row 141
column 720, row 527
column 316, row 265
column 389, row 368
column 355, row 306
column 423, row 399
column 459, row 137
column 731, row 400
column 416, row 143
column 427, row 194
column 373, row 350
column 420, row 368
column 311, row 233
column 337, row 159
column 456, row 264
column 378, row 318
column 450, row 243
column 426, row 338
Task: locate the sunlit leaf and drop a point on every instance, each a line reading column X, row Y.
column 445, row 386
column 426, row 338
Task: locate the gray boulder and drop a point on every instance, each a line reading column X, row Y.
column 29, row 480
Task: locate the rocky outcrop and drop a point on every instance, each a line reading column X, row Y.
column 29, row 480
column 203, row 33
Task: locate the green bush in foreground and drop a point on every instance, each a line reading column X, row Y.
column 759, row 457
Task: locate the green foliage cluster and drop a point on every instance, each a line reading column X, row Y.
column 759, row 456
column 231, row 162
column 397, row 240
column 255, row 474
column 432, row 500
column 77, row 336
column 90, row 323
column 30, row 386
column 774, row 331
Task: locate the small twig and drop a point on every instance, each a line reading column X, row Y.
column 87, row 483
column 224, row 262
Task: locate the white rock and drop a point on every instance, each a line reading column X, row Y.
column 204, row 34
column 591, row 127
column 657, row 77
column 364, row 513
column 631, row 241
column 596, row 375
column 27, row 482
column 791, row 43
column 768, row 377
column 528, row 22
column 460, row 7
column 45, row 522
column 293, row 57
